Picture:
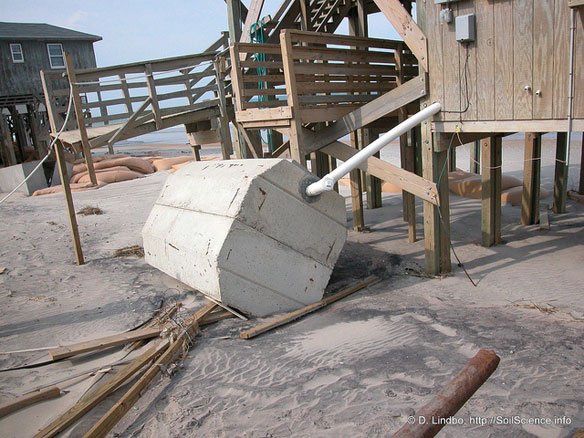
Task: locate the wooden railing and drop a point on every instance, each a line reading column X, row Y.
column 167, row 86
column 160, row 93
column 258, row 81
column 56, row 91
column 315, row 76
column 342, row 70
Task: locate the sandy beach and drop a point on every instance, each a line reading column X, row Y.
column 359, row 367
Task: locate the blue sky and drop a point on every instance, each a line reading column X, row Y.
column 135, row 30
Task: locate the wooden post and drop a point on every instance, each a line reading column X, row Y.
column 153, row 95
column 357, row 200
column 223, row 119
column 561, row 175
column 452, row 160
column 319, row 164
column 531, row 179
column 296, row 150
column 356, row 195
column 372, row 184
column 19, row 133
column 234, row 19
column 581, row 186
column 6, row 140
column 196, row 152
column 407, row 149
column 358, row 26
column 333, row 166
column 437, row 247
column 80, row 118
column 491, row 191
column 35, row 129
column 69, row 200
column 475, row 157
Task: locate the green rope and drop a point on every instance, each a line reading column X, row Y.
column 256, row 35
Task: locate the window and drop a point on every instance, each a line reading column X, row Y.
column 16, row 50
column 56, row 55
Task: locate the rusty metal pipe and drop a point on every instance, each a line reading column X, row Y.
column 428, row 421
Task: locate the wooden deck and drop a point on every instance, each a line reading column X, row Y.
column 124, row 101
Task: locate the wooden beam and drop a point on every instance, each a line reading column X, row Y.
column 475, row 157
column 236, row 13
column 531, row 179
column 31, row 398
column 453, row 140
column 509, row 126
column 131, row 122
column 252, row 139
column 356, row 194
column 407, row 28
column 289, row 317
column 407, row 151
column 491, row 191
column 223, row 120
column 297, row 151
column 581, row 185
column 385, row 171
column 102, row 343
column 80, row 116
column 86, row 404
column 69, row 201
column 561, row 174
column 123, row 405
column 435, row 235
column 153, row 96
column 215, row 317
column 253, row 15
column 370, row 112
column 6, row 140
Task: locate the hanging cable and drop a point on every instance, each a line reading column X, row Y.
column 256, row 35
column 48, row 153
column 446, row 231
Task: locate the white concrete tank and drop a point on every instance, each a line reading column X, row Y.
column 243, row 232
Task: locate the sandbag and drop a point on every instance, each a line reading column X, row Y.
column 459, row 175
column 167, row 163
column 152, row 159
column 133, row 163
column 513, row 196
column 98, row 158
column 77, row 177
column 113, row 175
column 179, row 165
column 508, row 182
column 74, row 188
column 575, row 196
column 470, row 187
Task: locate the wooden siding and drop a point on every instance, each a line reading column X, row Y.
column 24, row 78
column 520, row 43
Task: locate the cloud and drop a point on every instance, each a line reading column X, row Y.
column 75, row 18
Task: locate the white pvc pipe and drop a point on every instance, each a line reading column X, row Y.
column 328, row 181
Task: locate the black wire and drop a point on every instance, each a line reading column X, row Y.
column 460, row 264
column 466, row 92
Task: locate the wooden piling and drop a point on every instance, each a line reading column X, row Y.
column 531, row 179
column 80, row 118
column 561, row 173
column 491, row 191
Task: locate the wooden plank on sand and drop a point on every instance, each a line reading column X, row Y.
column 105, row 342
column 289, row 317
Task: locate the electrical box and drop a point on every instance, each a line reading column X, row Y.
column 466, row 29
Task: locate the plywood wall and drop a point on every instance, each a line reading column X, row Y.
column 519, row 43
